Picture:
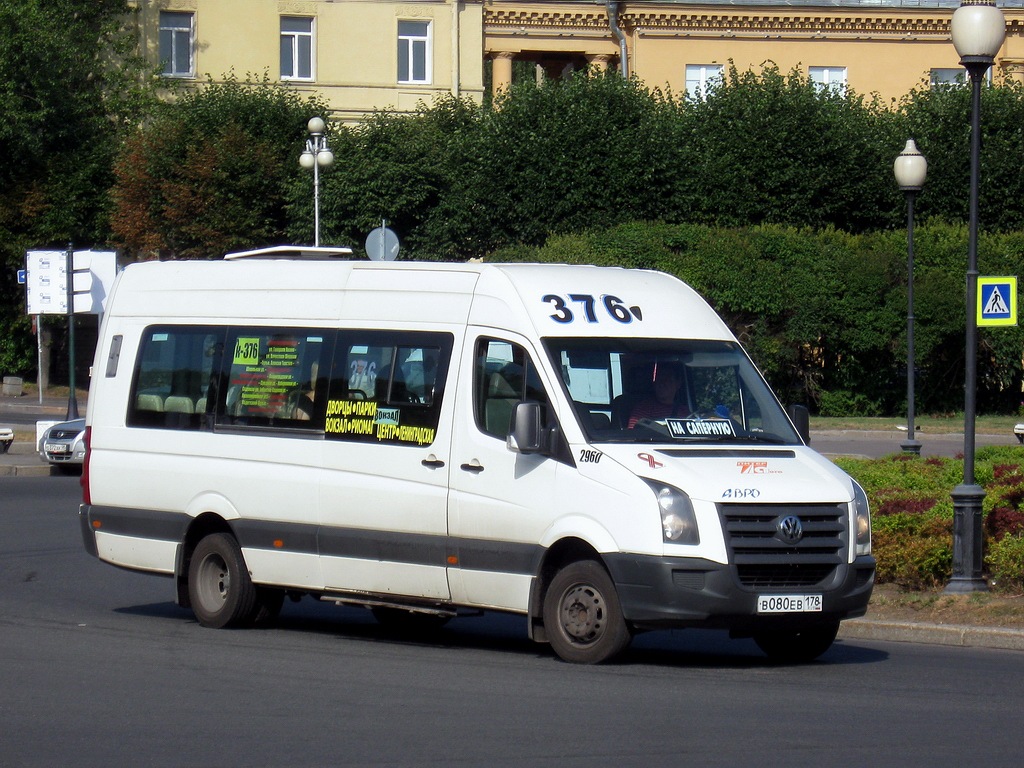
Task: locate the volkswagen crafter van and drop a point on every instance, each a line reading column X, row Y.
column 588, row 447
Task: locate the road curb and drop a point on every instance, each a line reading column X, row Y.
column 933, row 634
column 23, row 470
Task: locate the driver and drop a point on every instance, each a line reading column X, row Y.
column 662, row 403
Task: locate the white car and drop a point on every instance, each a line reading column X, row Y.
column 6, row 438
column 63, row 444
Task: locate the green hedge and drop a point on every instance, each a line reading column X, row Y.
column 823, row 313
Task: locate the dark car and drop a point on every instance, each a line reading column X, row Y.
column 63, row 444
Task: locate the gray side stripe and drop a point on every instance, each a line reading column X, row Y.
column 387, row 546
column 143, row 523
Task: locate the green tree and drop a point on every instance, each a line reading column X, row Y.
column 398, row 168
column 567, row 155
column 939, row 120
column 69, row 85
column 211, row 171
column 774, row 148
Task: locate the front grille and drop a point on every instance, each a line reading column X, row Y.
column 63, row 434
column 762, row 557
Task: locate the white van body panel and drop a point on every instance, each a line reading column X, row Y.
column 136, row 552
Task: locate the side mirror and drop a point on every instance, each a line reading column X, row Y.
column 801, row 419
column 526, row 435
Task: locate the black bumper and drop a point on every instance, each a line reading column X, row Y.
column 88, row 536
column 691, row 592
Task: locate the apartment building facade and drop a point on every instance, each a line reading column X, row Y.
column 362, row 55
column 886, row 47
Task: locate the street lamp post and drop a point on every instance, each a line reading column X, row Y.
column 978, row 29
column 316, row 155
column 910, row 170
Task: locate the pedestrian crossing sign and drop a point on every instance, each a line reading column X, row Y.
column 997, row 301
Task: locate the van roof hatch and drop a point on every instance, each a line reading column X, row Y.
column 291, row 252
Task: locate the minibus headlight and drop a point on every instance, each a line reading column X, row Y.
column 862, row 519
column 678, row 522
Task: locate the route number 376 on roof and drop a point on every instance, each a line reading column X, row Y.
column 613, row 306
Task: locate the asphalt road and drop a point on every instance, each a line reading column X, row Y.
column 100, row 668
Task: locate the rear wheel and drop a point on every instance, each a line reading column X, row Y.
column 219, row 587
column 797, row 646
column 582, row 616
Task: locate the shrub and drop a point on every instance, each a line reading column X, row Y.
column 913, row 552
column 1002, row 521
column 912, row 515
column 1006, row 562
column 843, row 403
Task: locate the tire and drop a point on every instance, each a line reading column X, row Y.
column 219, row 587
column 582, row 615
column 797, row 646
column 408, row 622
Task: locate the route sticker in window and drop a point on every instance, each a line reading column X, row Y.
column 247, row 351
column 355, row 418
column 266, row 376
column 685, row 428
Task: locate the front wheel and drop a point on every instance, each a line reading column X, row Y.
column 797, row 646
column 219, row 587
column 582, row 615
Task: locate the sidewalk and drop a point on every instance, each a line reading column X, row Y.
column 22, row 460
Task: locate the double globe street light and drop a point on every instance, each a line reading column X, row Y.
column 315, row 156
column 978, row 29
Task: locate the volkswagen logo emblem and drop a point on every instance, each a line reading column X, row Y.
column 791, row 530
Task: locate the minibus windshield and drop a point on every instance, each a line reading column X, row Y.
column 668, row 390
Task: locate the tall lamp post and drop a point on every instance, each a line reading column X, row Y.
column 315, row 156
column 978, row 29
column 910, row 170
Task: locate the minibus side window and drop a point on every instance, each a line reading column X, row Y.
column 174, row 377
column 273, row 378
column 387, row 386
column 504, row 375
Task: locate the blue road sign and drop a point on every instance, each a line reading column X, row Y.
column 997, row 301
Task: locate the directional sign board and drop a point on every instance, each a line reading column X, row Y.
column 997, row 301
column 46, row 281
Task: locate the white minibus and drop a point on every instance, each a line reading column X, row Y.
column 590, row 448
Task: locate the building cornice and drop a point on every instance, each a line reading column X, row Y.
column 716, row 20
column 791, row 24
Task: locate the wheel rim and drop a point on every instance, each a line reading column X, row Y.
column 582, row 613
column 213, row 583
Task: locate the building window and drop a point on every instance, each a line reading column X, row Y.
column 176, row 44
column 414, row 52
column 701, row 77
column 829, row 78
column 296, row 48
column 943, row 77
